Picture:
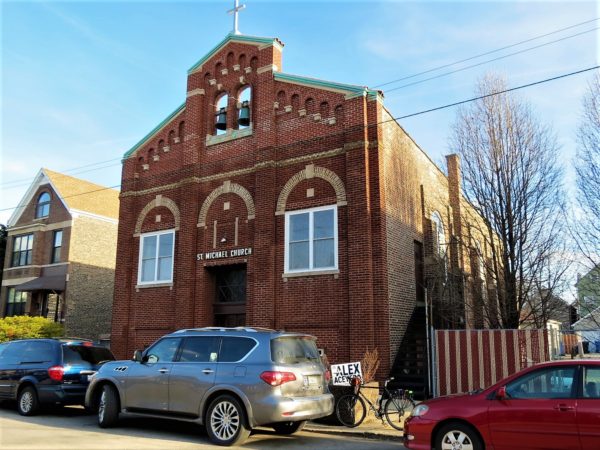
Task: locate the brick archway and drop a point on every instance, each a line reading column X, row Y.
column 226, row 187
column 158, row 201
column 312, row 171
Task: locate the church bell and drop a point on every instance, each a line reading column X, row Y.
column 222, row 119
column 244, row 119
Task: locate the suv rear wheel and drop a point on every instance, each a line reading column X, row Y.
column 108, row 407
column 27, row 401
column 226, row 421
column 288, row 427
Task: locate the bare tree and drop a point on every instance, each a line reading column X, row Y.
column 512, row 177
column 587, row 226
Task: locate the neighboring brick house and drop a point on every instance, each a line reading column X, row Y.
column 287, row 202
column 60, row 254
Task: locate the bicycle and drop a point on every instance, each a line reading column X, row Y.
column 393, row 405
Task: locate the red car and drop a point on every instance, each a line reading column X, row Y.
column 553, row 405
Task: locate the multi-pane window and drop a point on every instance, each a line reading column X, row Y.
column 15, row 302
column 43, row 206
column 56, row 246
column 22, row 250
column 156, row 257
column 311, row 239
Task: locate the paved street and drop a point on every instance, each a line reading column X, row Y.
column 71, row 428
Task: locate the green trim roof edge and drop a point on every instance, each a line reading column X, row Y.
column 146, row 138
column 350, row 88
column 231, row 37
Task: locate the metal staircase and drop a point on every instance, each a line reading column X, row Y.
column 410, row 366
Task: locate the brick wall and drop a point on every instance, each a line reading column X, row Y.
column 91, row 277
column 308, row 147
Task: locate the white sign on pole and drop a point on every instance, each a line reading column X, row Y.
column 343, row 373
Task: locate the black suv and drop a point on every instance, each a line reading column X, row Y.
column 48, row 371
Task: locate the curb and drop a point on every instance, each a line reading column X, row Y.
column 354, row 432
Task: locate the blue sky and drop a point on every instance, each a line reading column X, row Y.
column 83, row 81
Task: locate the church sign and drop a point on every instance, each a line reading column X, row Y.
column 223, row 254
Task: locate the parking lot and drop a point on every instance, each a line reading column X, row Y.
column 72, row 428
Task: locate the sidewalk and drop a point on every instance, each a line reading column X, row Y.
column 372, row 430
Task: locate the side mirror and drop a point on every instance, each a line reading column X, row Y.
column 501, row 393
column 137, row 356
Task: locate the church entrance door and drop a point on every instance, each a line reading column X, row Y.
column 230, row 296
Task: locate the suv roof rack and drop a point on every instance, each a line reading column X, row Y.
column 69, row 339
column 247, row 329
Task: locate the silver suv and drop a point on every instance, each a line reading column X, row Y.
column 229, row 379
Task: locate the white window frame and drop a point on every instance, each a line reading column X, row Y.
column 141, row 253
column 441, row 249
column 311, row 212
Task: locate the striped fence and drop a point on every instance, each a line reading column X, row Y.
column 465, row 360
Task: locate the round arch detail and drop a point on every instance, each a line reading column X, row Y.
column 312, row 171
column 158, row 201
column 225, row 188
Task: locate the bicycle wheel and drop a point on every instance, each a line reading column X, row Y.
column 350, row 410
column 396, row 410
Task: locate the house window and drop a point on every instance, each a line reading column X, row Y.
column 56, row 246
column 311, row 240
column 43, row 206
column 156, row 257
column 22, row 249
column 15, row 302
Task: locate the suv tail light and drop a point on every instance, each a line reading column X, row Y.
column 277, row 378
column 56, row 373
column 327, row 375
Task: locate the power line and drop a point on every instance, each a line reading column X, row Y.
column 495, row 93
column 28, row 180
column 489, row 61
column 486, row 53
column 558, row 77
column 22, row 205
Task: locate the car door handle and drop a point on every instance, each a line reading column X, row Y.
column 163, row 370
column 207, row 371
column 563, row 407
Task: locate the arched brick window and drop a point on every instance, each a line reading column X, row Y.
column 242, row 61
column 230, row 59
column 254, row 63
column 171, row 137
column 439, row 235
column 43, row 206
column 324, row 109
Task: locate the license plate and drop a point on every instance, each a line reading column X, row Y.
column 312, row 382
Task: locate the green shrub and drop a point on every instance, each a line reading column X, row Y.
column 23, row 327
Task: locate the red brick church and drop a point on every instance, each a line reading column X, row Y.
column 282, row 201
